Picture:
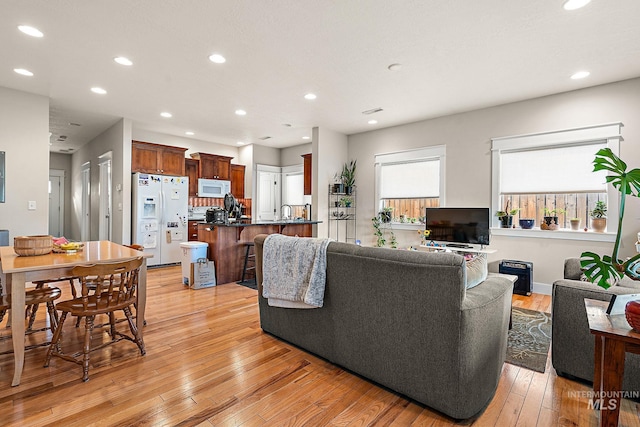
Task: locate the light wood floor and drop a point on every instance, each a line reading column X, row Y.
column 208, row 363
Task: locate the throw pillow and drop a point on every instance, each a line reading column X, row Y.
column 477, row 270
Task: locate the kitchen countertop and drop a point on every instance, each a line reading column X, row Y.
column 256, row 223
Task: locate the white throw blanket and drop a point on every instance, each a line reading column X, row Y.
column 294, row 271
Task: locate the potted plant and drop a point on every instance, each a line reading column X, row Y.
column 550, row 219
column 575, row 223
column 385, row 214
column 348, row 176
column 346, row 201
column 338, row 186
column 605, row 271
column 377, row 231
column 599, row 217
column 506, row 216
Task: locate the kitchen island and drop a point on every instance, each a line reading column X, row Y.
column 227, row 242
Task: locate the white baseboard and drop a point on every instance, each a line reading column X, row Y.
column 542, row 288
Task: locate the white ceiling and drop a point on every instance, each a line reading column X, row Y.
column 456, row 55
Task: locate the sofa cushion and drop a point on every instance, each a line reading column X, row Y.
column 476, row 270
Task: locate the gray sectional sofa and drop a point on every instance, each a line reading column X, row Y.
column 572, row 347
column 405, row 320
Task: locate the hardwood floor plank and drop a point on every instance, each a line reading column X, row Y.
column 208, row 363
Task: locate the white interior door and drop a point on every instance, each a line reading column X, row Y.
column 86, row 203
column 104, row 191
column 56, row 202
column 268, row 193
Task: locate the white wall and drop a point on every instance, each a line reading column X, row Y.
column 116, row 139
column 245, row 157
column 293, row 155
column 329, row 150
column 62, row 161
column 24, row 137
column 468, row 162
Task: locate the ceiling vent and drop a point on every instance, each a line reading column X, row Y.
column 372, row 111
column 264, row 138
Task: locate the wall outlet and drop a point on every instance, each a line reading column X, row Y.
column 32, row 205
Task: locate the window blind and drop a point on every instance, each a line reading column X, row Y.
column 567, row 169
column 416, row 179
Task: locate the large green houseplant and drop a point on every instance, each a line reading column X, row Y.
column 607, row 270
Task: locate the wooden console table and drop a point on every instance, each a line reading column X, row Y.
column 614, row 338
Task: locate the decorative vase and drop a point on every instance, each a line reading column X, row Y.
column 338, row 188
column 575, row 224
column 527, row 223
column 599, row 225
column 632, row 313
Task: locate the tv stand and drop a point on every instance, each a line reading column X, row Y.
column 458, row 245
column 457, row 248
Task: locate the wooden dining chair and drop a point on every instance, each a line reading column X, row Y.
column 33, row 297
column 116, row 288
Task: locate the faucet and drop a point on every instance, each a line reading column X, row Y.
column 288, row 216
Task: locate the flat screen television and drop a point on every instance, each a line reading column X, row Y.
column 459, row 225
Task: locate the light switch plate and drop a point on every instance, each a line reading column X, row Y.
column 32, row 205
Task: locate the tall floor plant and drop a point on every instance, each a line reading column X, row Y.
column 606, row 270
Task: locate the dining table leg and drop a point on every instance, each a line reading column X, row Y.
column 16, row 285
column 142, row 297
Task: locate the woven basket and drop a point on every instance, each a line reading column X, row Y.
column 32, row 245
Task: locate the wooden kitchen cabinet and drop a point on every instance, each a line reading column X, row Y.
column 193, row 231
column 191, row 171
column 237, row 181
column 307, row 174
column 212, row 166
column 147, row 157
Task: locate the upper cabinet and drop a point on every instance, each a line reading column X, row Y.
column 211, row 166
column 191, row 170
column 155, row 158
column 237, row 181
column 307, row 174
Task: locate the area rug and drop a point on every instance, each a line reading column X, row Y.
column 529, row 339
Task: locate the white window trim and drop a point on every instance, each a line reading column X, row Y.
column 425, row 153
column 610, row 132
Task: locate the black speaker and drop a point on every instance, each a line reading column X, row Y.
column 524, row 271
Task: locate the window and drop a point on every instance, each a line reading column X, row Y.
column 410, row 181
column 554, row 171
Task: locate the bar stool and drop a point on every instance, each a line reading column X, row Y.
column 249, row 261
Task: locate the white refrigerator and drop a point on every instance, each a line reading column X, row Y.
column 160, row 209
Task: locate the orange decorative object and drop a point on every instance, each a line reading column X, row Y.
column 632, row 313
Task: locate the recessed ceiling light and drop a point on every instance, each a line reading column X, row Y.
column 575, row 4
column 241, row 112
column 217, row 58
column 580, row 75
column 98, row 90
column 240, row 143
column 23, row 72
column 189, row 133
column 32, row 31
column 394, row 67
column 372, row 122
column 310, row 96
column 123, row 61
column 166, row 115
column 306, row 137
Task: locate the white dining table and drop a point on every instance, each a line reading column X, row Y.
column 18, row 270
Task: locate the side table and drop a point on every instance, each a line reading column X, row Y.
column 613, row 338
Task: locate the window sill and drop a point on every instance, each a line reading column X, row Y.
column 402, row 226
column 536, row 233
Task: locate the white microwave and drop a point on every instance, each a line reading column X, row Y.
column 213, row 187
